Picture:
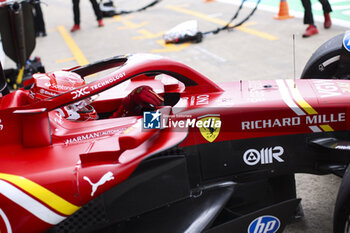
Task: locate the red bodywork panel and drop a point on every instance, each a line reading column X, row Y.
column 51, row 166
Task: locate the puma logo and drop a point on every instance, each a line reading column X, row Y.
column 106, row 177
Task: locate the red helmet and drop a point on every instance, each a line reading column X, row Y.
column 55, row 83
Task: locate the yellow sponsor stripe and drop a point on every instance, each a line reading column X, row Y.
column 41, row 193
column 222, row 22
column 327, row 128
column 299, row 99
column 302, row 102
column 77, row 53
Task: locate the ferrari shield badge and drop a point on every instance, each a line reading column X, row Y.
column 210, row 126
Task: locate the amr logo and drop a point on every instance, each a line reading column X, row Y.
column 106, row 177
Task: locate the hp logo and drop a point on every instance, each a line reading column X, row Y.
column 264, row 224
column 346, row 41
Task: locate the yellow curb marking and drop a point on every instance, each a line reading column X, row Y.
column 120, row 18
column 147, row 35
column 65, row 60
column 169, row 47
column 130, row 25
column 77, row 53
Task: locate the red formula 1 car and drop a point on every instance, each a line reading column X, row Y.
column 214, row 158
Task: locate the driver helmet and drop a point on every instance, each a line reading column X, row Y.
column 52, row 84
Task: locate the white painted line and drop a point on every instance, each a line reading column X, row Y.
column 210, row 54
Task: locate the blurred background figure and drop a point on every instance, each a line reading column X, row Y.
column 309, row 19
column 39, row 23
column 76, row 12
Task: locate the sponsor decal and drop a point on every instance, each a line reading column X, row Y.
column 270, row 123
column 152, row 120
column 324, row 118
column 60, row 87
column 306, row 114
column 45, row 92
column 310, row 110
column 294, row 121
column 81, row 92
column 90, row 136
column 264, row 224
column 345, row 87
column 106, row 177
column 326, row 88
column 210, row 127
column 1, row 125
column 265, row 156
column 197, row 100
column 346, row 41
column 108, row 81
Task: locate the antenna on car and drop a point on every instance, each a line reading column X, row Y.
column 4, row 89
column 294, row 76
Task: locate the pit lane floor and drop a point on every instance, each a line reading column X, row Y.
column 262, row 48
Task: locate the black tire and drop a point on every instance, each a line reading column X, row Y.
column 324, row 63
column 341, row 218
